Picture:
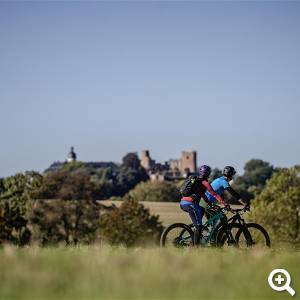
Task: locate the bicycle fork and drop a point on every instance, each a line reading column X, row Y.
column 230, row 238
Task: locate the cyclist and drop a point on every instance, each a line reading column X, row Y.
column 221, row 184
column 192, row 190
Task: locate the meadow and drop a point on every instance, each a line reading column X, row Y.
column 103, row 272
column 106, row 272
column 169, row 212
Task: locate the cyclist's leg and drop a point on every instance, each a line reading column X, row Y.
column 196, row 213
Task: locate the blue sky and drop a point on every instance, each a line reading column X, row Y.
column 221, row 78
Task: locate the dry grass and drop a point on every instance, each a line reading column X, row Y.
column 142, row 273
column 169, row 212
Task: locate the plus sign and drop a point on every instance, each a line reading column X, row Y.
column 279, row 279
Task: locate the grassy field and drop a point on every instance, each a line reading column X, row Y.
column 169, row 212
column 104, row 272
column 142, row 273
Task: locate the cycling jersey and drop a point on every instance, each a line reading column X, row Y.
column 219, row 185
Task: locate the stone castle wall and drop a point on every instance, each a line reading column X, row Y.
column 173, row 168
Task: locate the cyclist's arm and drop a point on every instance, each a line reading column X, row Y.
column 235, row 195
column 204, row 197
column 212, row 192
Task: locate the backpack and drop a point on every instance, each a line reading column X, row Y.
column 191, row 186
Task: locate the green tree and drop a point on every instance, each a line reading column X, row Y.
column 70, row 222
column 278, row 205
column 16, row 193
column 252, row 182
column 128, row 178
column 130, row 224
column 131, row 160
column 156, row 191
column 66, row 185
column 129, row 174
column 76, row 166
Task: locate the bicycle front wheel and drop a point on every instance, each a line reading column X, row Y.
column 259, row 236
column 177, row 235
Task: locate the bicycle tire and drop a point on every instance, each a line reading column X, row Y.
column 181, row 226
column 261, row 229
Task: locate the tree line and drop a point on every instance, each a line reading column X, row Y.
column 75, row 181
column 61, row 206
column 25, row 219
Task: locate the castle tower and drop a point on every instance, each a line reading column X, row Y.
column 146, row 161
column 188, row 162
column 71, row 156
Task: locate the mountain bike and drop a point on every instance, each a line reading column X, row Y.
column 216, row 232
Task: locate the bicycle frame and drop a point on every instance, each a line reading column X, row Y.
column 236, row 218
column 216, row 220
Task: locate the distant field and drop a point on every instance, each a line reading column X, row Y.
column 169, row 212
column 142, row 273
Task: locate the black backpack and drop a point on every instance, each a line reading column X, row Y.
column 191, row 186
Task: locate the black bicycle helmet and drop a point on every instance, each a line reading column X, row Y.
column 229, row 171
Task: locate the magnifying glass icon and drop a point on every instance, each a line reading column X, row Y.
column 280, row 279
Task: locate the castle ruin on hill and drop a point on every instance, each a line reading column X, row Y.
column 172, row 169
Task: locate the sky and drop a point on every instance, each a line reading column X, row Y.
column 108, row 78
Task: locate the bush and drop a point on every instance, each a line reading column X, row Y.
column 278, row 205
column 64, row 221
column 130, row 224
column 66, row 185
column 156, row 191
column 16, row 193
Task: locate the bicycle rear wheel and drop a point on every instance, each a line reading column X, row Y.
column 259, row 236
column 177, row 235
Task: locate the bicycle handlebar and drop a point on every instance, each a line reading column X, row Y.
column 237, row 210
column 229, row 209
